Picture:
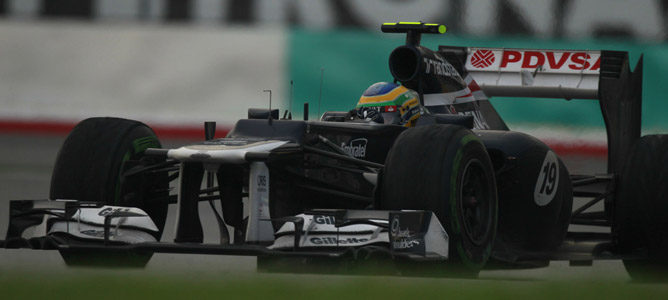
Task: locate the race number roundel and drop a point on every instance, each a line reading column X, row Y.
column 482, row 58
column 548, row 180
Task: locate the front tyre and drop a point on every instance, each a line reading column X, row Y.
column 446, row 169
column 89, row 168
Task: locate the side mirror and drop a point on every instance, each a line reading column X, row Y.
column 335, row 116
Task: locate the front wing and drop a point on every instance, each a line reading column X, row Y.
column 121, row 231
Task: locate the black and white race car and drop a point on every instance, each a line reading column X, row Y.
column 458, row 190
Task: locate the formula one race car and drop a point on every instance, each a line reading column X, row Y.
column 423, row 173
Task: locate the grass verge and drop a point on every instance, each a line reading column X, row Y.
column 128, row 285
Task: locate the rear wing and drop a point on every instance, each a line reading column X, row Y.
column 567, row 74
column 544, row 73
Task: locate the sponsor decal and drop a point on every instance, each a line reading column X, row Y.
column 262, row 180
column 482, row 58
column 335, row 241
column 395, row 229
column 405, row 243
column 330, row 220
column 261, row 183
column 439, row 67
column 545, row 60
column 548, row 180
column 402, row 239
column 109, row 210
column 550, row 59
column 355, row 148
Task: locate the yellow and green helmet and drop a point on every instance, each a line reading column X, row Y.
column 389, row 103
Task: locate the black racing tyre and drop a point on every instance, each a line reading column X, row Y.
column 89, row 164
column 446, row 169
column 640, row 220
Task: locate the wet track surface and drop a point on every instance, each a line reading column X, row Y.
column 25, row 170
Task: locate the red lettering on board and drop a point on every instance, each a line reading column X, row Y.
column 554, row 64
column 529, row 62
column 510, row 57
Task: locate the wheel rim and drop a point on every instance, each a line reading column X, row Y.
column 475, row 202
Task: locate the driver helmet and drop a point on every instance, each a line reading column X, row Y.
column 389, row 103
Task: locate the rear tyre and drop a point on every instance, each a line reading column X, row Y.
column 89, row 165
column 641, row 209
column 446, row 169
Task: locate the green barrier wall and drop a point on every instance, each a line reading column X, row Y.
column 353, row 60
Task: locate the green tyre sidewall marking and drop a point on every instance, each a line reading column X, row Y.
column 138, row 145
column 454, row 212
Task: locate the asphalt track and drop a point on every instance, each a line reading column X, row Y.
column 26, row 162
